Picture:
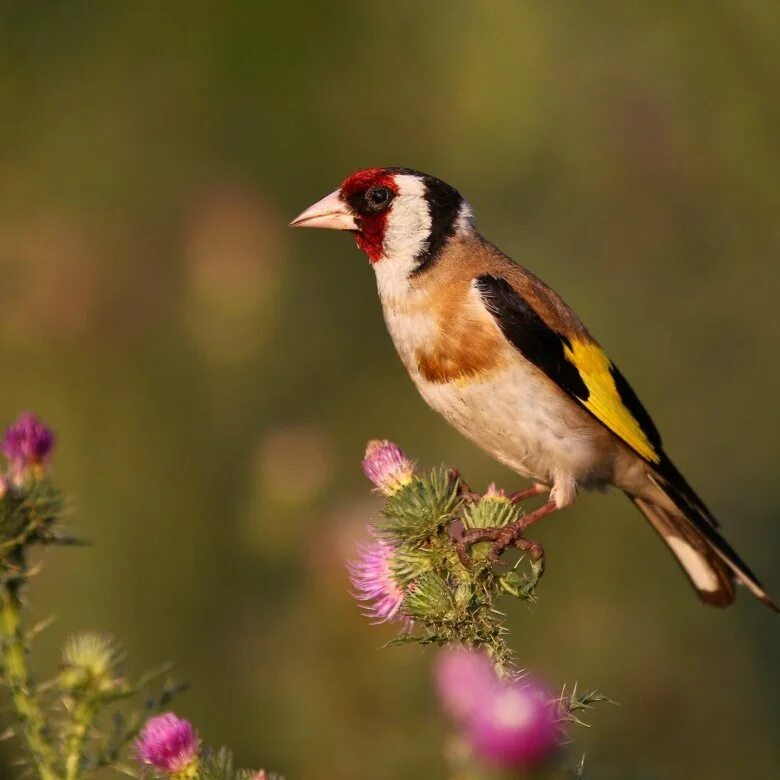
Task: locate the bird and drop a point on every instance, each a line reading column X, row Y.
column 507, row 363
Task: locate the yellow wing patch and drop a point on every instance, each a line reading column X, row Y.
column 604, row 399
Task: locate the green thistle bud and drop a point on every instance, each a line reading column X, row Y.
column 409, row 565
column 428, row 599
column 421, row 509
column 493, row 510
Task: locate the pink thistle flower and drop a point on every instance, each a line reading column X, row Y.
column 27, row 444
column 495, row 493
column 464, row 679
column 372, row 578
column 168, row 743
column 387, row 466
column 515, row 727
column 509, row 723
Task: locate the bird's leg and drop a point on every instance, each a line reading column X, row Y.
column 517, row 497
column 529, row 492
column 512, row 533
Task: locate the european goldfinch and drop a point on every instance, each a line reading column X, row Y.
column 503, row 358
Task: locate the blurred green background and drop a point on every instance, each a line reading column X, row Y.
column 213, row 376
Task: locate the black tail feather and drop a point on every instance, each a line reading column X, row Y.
column 690, row 532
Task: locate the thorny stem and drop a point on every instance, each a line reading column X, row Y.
column 83, row 715
column 14, row 662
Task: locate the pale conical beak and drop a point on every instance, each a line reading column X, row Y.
column 330, row 212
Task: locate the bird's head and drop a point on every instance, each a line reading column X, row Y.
column 396, row 214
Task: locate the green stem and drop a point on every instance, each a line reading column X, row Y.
column 83, row 717
column 13, row 656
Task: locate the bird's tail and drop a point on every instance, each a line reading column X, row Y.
column 708, row 560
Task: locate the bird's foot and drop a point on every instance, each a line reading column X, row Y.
column 474, row 536
column 535, row 552
column 508, row 535
column 524, row 586
column 512, row 534
column 464, row 489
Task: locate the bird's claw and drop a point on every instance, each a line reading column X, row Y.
column 464, row 490
column 474, row 536
column 508, row 535
column 535, row 552
column 501, row 538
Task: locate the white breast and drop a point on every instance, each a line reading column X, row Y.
column 514, row 413
column 522, row 420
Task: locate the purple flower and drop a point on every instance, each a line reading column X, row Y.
column 509, row 723
column 27, row 444
column 168, row 743
column 516, row 726
column 386, row 465
column 464, row 679
column 372, row 578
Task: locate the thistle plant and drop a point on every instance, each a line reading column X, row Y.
column 170, row 748
column 89, row 715
column 414, row 570
column 422, row 567
column 425, row 570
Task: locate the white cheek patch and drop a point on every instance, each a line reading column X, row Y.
column 407, row 233
column 409, row 221
column 695, row 564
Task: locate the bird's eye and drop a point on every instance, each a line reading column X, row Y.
column 378, row 198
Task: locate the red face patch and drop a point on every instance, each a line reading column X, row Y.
column 362, row 181
column 370, row 237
